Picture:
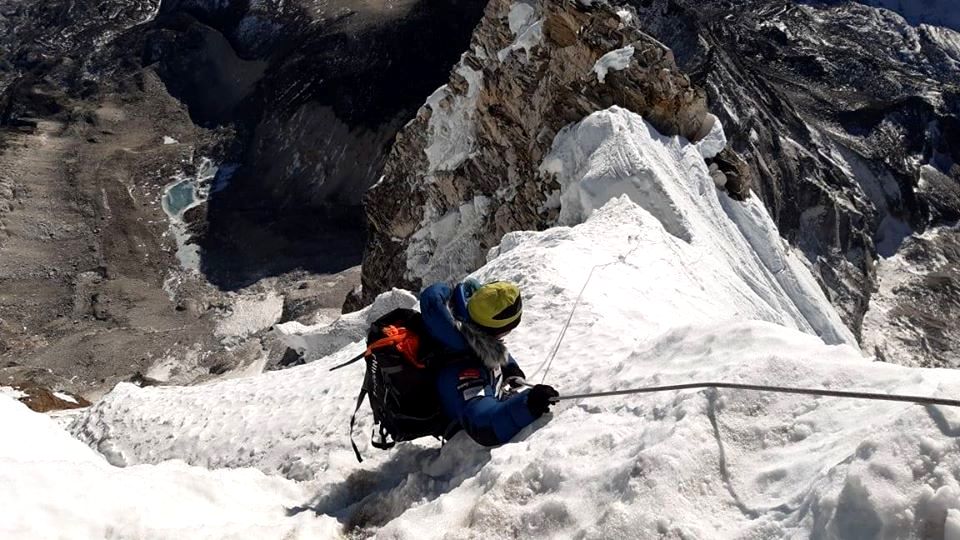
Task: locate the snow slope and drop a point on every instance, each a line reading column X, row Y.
column 725, row 258
column 673, row 300
column 56, row 487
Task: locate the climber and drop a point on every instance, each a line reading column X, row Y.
column 479, row 382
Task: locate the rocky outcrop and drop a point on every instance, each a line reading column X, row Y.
column 913, row 313
column 846, row 115
column 842, row 117
column 465, row 171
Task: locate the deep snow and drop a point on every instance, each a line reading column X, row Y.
column 687, row 286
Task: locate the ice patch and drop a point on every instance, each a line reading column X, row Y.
column 450, row 129
column 66, row 397
column 614, row 60
column 12, row 393
column 180, row 196
column 169, row 140
column 526, row 28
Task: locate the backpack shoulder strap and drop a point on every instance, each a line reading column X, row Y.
column 353, row 419
column 350, row 361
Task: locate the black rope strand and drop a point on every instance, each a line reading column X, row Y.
column 922, row 400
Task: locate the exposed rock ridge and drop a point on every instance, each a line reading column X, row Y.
column 848, row 119
column 465, row 171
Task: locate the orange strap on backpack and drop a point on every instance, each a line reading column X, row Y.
column 405, row 341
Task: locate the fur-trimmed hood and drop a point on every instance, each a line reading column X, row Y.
column 492, row 352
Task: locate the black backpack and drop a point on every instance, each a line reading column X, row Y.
column 400, row 381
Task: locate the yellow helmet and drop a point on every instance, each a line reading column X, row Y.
column 496, row 307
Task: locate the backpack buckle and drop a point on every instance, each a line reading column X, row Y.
column 383, row 443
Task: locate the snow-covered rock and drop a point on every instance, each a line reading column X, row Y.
column 316, row 341
column 614, row 60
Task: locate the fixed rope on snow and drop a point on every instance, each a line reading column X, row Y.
column 921, row 400
column 548, row 362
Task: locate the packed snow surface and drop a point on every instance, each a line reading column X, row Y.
column 56, row 487
column 666, row 298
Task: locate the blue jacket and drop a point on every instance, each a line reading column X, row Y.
column 466, row 386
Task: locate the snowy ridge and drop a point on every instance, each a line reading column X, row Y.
column 672, row 301
column 616, row 152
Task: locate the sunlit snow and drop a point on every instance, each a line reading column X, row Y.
column 679, row 284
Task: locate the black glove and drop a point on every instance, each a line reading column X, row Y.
column 513, row 375
column 538, row 399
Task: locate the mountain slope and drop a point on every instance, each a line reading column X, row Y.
column 667, row 309
column 841, row 117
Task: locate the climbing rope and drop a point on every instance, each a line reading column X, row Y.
column 921, row 400
column 563, row 331
column 548, row 361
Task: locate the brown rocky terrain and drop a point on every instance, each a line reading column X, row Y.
column 86, row 250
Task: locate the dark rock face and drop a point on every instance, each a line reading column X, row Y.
column 846, row 115
column 316, row 95
column 469, row 162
